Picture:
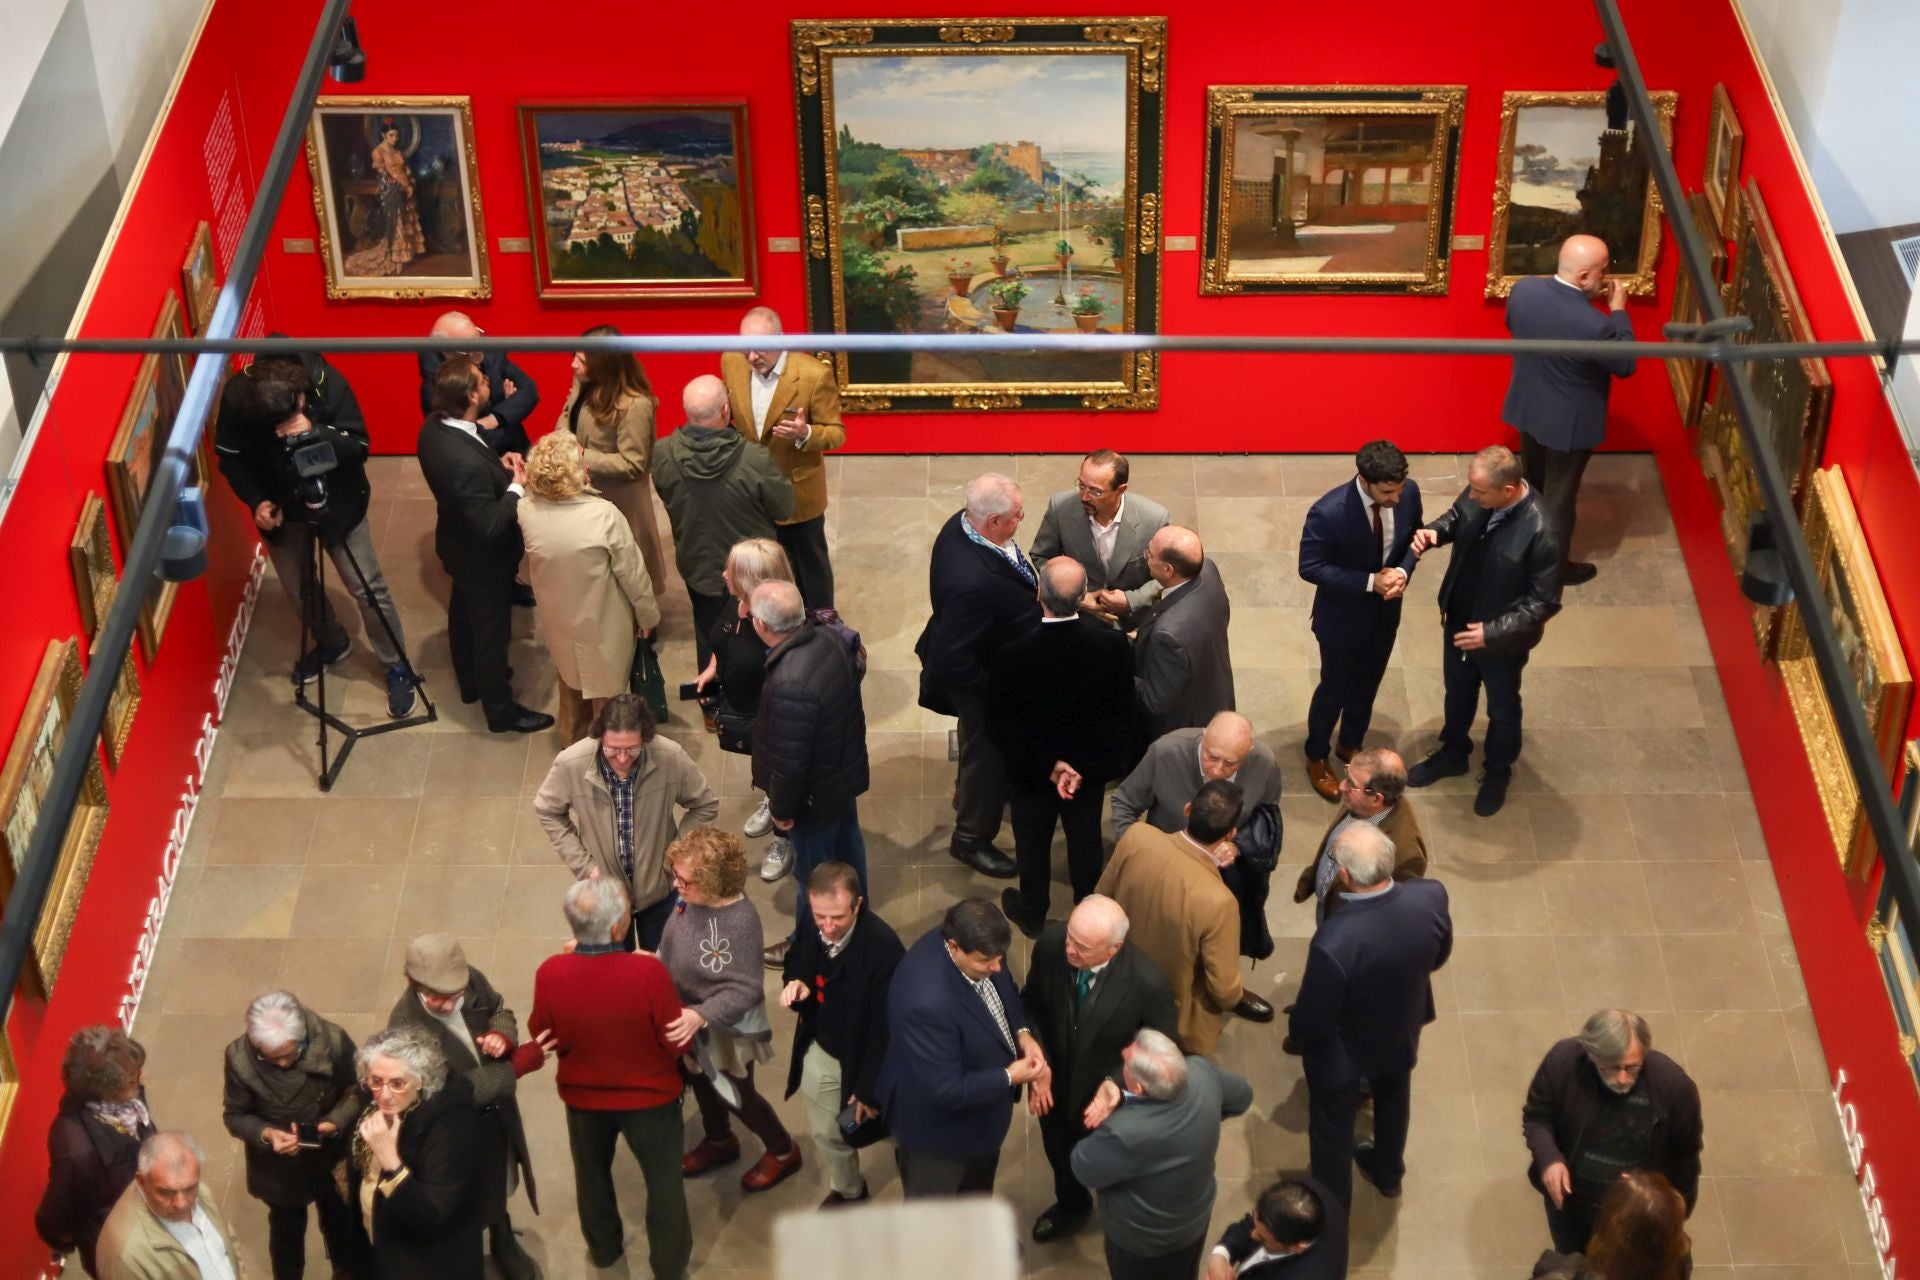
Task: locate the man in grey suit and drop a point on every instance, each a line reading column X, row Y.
column 1183, row 673
column 1172, row 772
column 1151, row 1160
column 1106, row 529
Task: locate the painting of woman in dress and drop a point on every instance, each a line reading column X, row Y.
column 395, row 191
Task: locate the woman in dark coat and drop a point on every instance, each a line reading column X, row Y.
column 94, row 1144
column 413, row 1178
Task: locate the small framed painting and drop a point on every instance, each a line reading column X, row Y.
column 200, row 279
column 91, row 559
column 1725, row 140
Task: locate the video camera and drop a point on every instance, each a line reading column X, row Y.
column 313, row 459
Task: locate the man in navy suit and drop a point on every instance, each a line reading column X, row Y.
column 959, row 1049
column 1295, row 1232
column 982, row 589
column 1365, row 995
column 1559, row 403
column 511, row 395
column 1355, row 550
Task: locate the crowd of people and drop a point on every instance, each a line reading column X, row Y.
column 1095, row 663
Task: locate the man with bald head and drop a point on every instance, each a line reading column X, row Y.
column 1061, row 698
column 787, row 402
column 165, row 1226
column 1183, row 673
column 1087, row 994
column 511, row 394
column 983, row 590
column 1559, row 403
column 718, row 490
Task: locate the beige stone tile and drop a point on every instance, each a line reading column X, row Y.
column 1711, row 972
column 1674, row 761
column 1163, row 476
column 1757, row 1133
column 363, row 832
column 1645, row 697
column 1779, row 1221
column 1763, row 891
column 1708, row 1230
column 459, row 900
column 882, row 476
column 347, row 904
column 335, row 977
column 1698, row 897
column 1578, row 828
column 1682, row 828
column 1562, row 697
column 1263, row 579
column 259, row 832
column 1505, row 975
column 1504, row 1049
column 1595, row 898
column 1611, row 971
column 226, row 974
column 530, row 906
column 238, row 902
column 1736, row 1050
column 464, row 831
column 1265, row 638
column 1455, row 834
column 1249, row 524
column 1242, row 476
column 490, row 766
column 1494, row 899
column 1809, row 1056
column 1788, row 983
column 1562, row 759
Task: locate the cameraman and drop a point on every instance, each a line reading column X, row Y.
column 269, row 410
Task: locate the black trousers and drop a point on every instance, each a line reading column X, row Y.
column 1556, row 474
column 924, row 1174
column 1350, row 676
column 754, row 1111
column 1463, row 675
column 1060, row 1133
column 287, row 1223
column 1181, row 1264
column 1035, row 810
column 805, row 543
column 649, row 923
column 1330, row 1115
column 479, row 628
column 981, row 781
column 1570, row 1228
column 707, row 612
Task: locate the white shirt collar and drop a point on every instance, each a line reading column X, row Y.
column 773, row 374
column 1114, row 523
column 1047, row 617
column 461, row 424
column 1570, row 285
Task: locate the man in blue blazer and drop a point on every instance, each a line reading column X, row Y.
column 1558, row 404
column 959, row 1049
column 1366, row 994
column 1354, row 549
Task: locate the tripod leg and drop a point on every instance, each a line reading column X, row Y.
column 387, row 627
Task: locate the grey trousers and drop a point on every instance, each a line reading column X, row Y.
column 982, row 778
column 289, row 555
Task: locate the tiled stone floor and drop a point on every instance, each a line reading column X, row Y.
column 1627, row 867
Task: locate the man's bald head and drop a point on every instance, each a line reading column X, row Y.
column 1095, row 930
column 760, row 320
column 455, row 324
column 705, row 401
column 1179, row 550
column 1225, row 745
column 1583, row 262
column 1063, row 580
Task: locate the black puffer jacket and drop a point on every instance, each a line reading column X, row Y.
column 810, row 741
column 1519, row 586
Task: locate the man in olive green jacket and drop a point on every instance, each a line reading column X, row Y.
column 165, row 1226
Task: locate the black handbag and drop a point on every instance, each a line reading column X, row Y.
column 736, row 728
column 647, row 680
column 859, row 1134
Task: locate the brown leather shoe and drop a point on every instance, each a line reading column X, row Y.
column 774, row 955
column 709, row 1155
column 1323, row 780
column 771, row 1170
column 1346, row 754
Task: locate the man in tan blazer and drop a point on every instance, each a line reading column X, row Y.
column 165, row 1226
column 1374, row 792
column 1184, row 916
column 788, row 402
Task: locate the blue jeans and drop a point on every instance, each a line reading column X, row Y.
column 818, row 840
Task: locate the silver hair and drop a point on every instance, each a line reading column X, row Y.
column 779, row 607
column 167, row 1142
column 1611, row 1032
column 1063, row 580
column 990, row 495
column 413, row 1050
column 1158, row 1065
column 1116, row 915
column 593, row 907
column 275, row 1020
column 1366, row 853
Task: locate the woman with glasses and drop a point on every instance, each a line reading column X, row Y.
column 413, row 1179
column 608, row 807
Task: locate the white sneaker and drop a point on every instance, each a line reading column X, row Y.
column 779, row 860
column 761, row 822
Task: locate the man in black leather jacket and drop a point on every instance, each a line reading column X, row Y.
column 1501, row 586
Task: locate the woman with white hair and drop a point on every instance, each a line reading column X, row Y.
column 413, row 1179
column 290, row 1100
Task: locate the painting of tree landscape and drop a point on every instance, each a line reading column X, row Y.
column 980, row 190
column 639, row 199
column 1565, row 171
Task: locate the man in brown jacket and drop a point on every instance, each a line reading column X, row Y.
column 165, row 1226
column 1373, row 791
column 788, row 402
column 1184, row 916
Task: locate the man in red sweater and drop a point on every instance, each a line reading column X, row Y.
column 609, row 1010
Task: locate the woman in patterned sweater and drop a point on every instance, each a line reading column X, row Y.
column 711, row 947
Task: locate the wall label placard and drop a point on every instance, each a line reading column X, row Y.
column 1863, row 1172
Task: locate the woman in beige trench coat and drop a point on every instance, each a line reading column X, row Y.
column 610, row 409
column 587, row 573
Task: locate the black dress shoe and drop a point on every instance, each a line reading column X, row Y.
column 985, row 859
column 1057, row 1222
column 1577, row 572
column 1361, row 1150
column 519, row 719
column 469, row 696
column 523, row 595
column 1014, row 909
column 1287, row 1046
column 1493, row 792
column 1441, row 764
column 1253, row 1008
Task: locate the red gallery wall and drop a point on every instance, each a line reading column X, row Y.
column 244, row 83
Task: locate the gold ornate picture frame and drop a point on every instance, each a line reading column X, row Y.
column 1851, row 596
column 9, row 1082
column 1562, row 172
column 1720, row 179
column 124, row 702
column 396, row 189
column 90, row 555
column 1035, row 209
column 200, row 278
column 1330, row 188
column 23, row 787
column 1690, row 378
column 1890, row 935
column 131, row 460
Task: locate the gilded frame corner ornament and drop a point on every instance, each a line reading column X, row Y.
column 1639, row 281
column 1443, row 106
column 477, row 282
column 1097, row 215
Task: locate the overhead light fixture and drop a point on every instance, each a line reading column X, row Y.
column 1764, row 579
column 347, row 63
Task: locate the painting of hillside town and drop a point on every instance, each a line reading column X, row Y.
column 981, row 191
column 639, row 199
column 1563, row 171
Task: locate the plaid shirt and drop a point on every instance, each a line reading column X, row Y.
column 622, row 789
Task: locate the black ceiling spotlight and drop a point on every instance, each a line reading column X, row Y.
column 1764, row 580
column 347, row 63
column 1616, row 92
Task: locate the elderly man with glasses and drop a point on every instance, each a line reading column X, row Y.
column 1106, row 529
column 1372, row 790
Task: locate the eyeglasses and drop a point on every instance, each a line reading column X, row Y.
column 1632, row 1069
column 621, row 753
column 1092, row 491
column 399, row 1084
column 1346, row 776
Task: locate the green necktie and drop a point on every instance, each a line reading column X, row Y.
column 1082, row 983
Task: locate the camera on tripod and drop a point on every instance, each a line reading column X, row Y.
column 313, row 459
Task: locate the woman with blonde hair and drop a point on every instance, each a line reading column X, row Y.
column 610, row 409
column 711, row 947
column 596, row 598
column 730, row 686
